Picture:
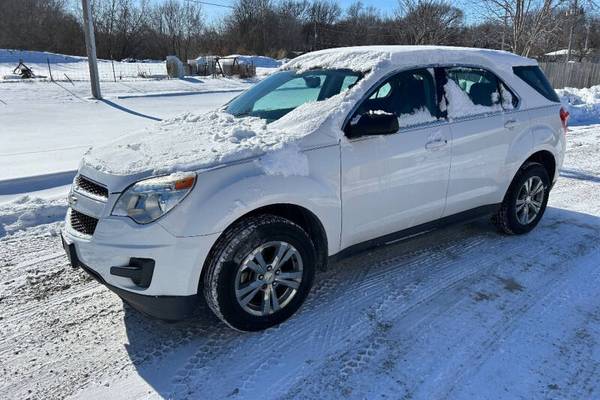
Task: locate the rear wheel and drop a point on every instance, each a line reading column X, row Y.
column 525, row 201
column 259, row 272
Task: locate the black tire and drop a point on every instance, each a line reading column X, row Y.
column 506, row 219
column 231, row 250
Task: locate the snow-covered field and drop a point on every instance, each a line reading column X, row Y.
column 46, row 127
column 459, row 313
column 75, row 68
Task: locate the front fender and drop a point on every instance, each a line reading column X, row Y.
column 223, row 195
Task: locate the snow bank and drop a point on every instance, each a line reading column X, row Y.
column 38, row 57
column 583, row 104
column 76, row 67
column 26, row 212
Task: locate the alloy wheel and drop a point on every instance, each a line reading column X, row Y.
column 268, row 278
column 529, row 200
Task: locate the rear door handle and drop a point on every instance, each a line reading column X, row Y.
column 435, row 144
column 510, row 124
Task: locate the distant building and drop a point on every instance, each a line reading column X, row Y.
column 591, row 55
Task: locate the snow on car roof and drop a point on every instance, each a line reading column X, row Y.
column 365, row 58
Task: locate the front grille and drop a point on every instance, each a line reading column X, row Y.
column 83, row 184
column 82, row 223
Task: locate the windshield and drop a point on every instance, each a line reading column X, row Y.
column 283, row 91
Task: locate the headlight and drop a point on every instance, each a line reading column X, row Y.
column 150, row 199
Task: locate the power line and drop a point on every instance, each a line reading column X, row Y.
column 210, row 4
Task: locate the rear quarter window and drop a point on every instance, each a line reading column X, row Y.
column 535, row 78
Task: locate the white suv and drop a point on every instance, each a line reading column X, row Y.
column 339, row 150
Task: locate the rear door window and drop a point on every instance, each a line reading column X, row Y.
column 473, row 91
column 535, row 78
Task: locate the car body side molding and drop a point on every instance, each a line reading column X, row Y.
column 461, row 217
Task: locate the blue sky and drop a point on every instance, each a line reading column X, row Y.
column 214, row 13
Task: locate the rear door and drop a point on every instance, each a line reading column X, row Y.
column 484, row 123
column 396, row 181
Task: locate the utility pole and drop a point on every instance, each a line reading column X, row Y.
column 90, row 45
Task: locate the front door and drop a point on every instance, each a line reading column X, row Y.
column 396, row 181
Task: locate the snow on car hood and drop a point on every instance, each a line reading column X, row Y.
column 186, row 142
column 197, row 141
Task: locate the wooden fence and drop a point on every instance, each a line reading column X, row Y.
column 578, row 75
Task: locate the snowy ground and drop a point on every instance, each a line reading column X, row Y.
column 460, row 313
column 46, row 127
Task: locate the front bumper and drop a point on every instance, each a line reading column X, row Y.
column 171, row 308
column 152, row 270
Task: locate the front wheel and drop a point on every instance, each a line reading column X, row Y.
column 525, row 201
column 259, row 272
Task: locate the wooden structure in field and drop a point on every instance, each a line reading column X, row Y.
column 221, row 66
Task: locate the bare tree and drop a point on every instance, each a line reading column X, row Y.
column 40, row 25
column 250, row 26
column 361, row 25
column 177, row 27
column 120, row 26
column 154, row 29
column 428, row 21
column 527, row 21
column 578, row 16
column 322, row 14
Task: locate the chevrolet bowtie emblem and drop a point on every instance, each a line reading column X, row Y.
column 72, row 199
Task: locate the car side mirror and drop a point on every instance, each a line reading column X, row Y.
column 372, row 123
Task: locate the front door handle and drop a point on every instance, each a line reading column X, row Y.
column 510, row 124
column 435, row 144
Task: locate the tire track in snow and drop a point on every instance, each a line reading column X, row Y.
column 338, row 331
column 388, row 313
column 343, row 333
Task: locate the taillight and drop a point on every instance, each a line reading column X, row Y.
column 564, row 119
